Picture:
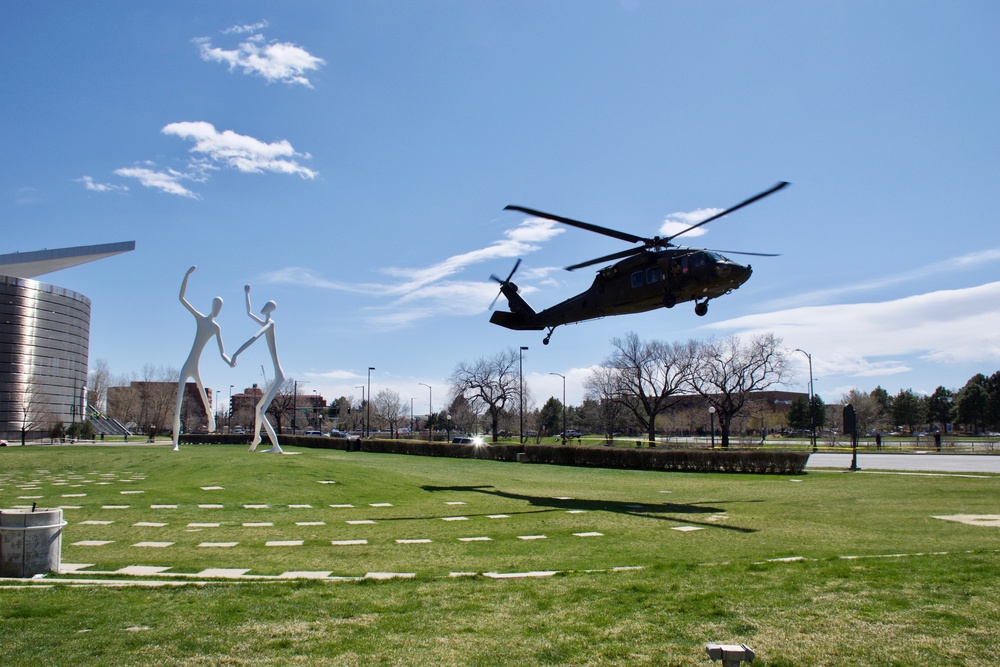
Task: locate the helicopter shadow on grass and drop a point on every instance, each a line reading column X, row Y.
column 672, row 512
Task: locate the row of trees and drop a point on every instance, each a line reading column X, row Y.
column 976, row 407
column 642, row 385
column 643, row 379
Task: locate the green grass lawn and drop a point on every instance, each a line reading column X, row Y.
column 882, row 582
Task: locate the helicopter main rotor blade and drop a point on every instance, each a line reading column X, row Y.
column 607, row 258
column 743, row 252
column 731, row 209
column 613, row 233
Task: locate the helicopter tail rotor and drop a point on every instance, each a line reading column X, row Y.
column 505, row 283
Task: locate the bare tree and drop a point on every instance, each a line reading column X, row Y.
column 490, row 384
column 463, row 416
column 646, row 378
column 868, row 411
column 34, row 408
column 283, row 406
column 98, row 381
column 388, row 408
column 602, row 396
column 157, row 393
column 727, row 371
column 123, row 399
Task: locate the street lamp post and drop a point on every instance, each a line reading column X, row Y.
column 711, row 414
column 812, row 417
column 563, row 406
column 520, row 373
column 430, row 410
column 229, row 417
column 368, row 405
column 363, row 404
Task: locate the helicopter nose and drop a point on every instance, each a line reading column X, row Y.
column 737, row 274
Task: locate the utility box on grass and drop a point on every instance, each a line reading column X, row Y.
column 30, row 541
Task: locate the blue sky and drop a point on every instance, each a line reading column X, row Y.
column 351, row 161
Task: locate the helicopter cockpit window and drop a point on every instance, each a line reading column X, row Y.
column 652, row 276
column 637, row 279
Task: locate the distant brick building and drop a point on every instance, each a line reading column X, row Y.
column 305, row 408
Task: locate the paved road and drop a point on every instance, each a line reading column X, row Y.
column 970, row 463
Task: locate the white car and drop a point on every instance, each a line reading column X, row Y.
column 318, row 434
column 343, row 434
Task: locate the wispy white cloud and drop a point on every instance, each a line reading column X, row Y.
column 420, row 293
column 241, row 152
column 878, row 338
column 94, row 186
column 675, row 223
column 245, row 28
column 212, row 150
column 334, row 375
column 967, row 262
column 27, row 196
column 165, row 180
column 274, row 61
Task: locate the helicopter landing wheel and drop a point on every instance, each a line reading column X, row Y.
column 700, row 309
column 545, row 341
column 669, row 301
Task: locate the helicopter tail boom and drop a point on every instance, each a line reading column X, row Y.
column 516, row 321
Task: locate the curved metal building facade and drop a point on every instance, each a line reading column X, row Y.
column 44, row 345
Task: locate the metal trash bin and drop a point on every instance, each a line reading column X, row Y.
column 30, row 541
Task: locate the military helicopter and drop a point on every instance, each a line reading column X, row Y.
column 654, row 274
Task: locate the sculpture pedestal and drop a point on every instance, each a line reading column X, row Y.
column 30, row 542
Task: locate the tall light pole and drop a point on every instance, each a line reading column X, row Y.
column 368, row 405
column 430, row 410
column 229, row 418
column 711, row 414
column 564, row 405
column 812, row 418
column 520, row 373
column 363, row 404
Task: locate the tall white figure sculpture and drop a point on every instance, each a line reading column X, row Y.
column 208, row 328
column 266, row 330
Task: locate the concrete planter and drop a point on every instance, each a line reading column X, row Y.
column 30, row 541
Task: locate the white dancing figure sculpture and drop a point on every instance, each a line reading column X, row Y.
column 208, row 328
column 266, row 330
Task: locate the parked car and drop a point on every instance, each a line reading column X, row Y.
column 315, row 434
column 468, row 440
column 343, row 434
column 239, row 431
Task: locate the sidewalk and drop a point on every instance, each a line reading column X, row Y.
column 968, row 463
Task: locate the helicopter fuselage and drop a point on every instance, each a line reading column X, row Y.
column 653, row 279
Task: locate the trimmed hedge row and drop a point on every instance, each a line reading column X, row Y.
column 309, row 441
column 677, row 460
column 757, row 461
column 449, row 449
